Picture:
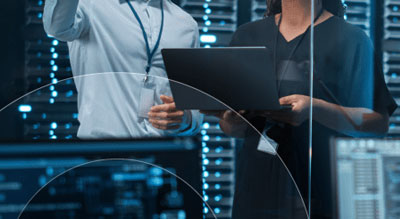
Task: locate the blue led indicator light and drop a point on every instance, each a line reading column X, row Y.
column 25, row 108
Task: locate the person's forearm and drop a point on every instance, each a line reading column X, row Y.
column 59, row 19
column 357, row 122
column 237, row 130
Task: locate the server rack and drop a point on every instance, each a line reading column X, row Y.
column 359, row 13
column 258, row 9
column 217, row 20
column 50, row 112
column 391, row 56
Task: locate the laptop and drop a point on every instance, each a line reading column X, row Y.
column 239, row 78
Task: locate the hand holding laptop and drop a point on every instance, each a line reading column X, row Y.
column 295, row 115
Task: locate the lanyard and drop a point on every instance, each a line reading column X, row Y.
column 294, row 49
column 150, row 53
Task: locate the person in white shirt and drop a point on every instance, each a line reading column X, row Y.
column 115, row 53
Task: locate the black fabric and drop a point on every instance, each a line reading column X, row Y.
column 344, row 74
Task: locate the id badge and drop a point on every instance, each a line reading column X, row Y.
column 146, row 101
column 266, row 144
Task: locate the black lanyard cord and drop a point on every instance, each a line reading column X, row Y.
column 292, row 52
column 150, row 53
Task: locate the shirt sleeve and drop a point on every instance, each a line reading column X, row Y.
column 194, row 120
column 65, row 20
column 196, row 37
column 363, row 84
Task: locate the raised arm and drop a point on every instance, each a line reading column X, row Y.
column 65, row 20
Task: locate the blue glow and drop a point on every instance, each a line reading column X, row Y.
column 218, row 198
column 205, row 5
column 205, row 29
column 217, row 174
column 206, row 162
column 206, row 125
column 155, row 181
column 52, row 49
column 205, row 210
column 55, row 55
column 40, row 3
column 53, row 125
column 181, row 214
column 205, row 174
column 44, row 116
column 155, row 171
column 36, row 126
column 24, row 116
column 55, row 42
column 218, row 161
column 208, row 11
column 205, row 17
column 51, row 87
column 75, row 115
column 219, row 149
column 52, row 75
column 51, row 100
column 25, row 108
column 217, row 186
column 53, row 137
column 54, row 81
column 40, row 15
column 69, row 93
column 206, row 198
column 42, row 180
column 203, row 132
column 217, row 210
column 52, row 62
column 206, row 150
column 207, row 23
column 208, row 38
column 51, row 132
column 206, row 138
column 54, row 68
column 205, row 186
column 54, row 94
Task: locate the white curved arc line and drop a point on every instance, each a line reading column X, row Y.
column 116, row 159
column 164, row 78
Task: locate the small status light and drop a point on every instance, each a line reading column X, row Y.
column 53, row 125
column 206, row 125
column 25, row 108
